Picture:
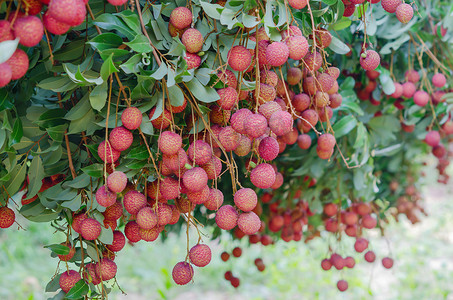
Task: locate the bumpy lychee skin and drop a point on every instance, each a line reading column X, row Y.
column 268, row 108
column 409, row 89
column 170, row 188
column 390, row 5
column 193, row 40
column 68, row 256
column 200, row 152
column 58, row 9
column 116, row 182
column 255, row 125
column 313, row 61
column 278, row 181
column 106, row 269
column 169, row 142
column 228, row 98
column 266, row 93
column 146, row 218
column 118, row 241
column 54, row 26
column 181, row 17
column 398, row 91
column 68, row 279
column 245, row 146
column 120, row 138
column 297, row 47
column 277, row 54
column 195, row 179
column 290, row 31
column 193, row 61
column 132, row 231
column 117, row 2
column 226, row 217
column 249, row 223
column 164, row 214
column 326, row 142
column 263, row 176
column 182, row 273
column 29, row 30
column 105, row 197
column 175, row 214
column 238, row 118
column 7, row 217
column 199, row 197
column 77, row 221
column 162, row 121
column 297, row 4
column 5, row 31
column 370, row 60
column 213, row 167
column 134, row 201
column 18, row 63
column 200, row 255
column 404, row 13
column 268, row 148
column 90, row 274
column 432, row 138
column 439, row 80
column 281, row 122
column 113, row 212
column 131, row 118
column 229, row 138
column 294, row 76
column 245, row 199
column 90, row 229
column 239, row 58
column 107, row 153
column 149, row 235
column 215, row 199
column 421, row 98
column 228, row 78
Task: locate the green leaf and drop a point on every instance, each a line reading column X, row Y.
column 201, row 92
column 17, row 177
column 58, row 249
column 57, row 84
column 139, row 153
column 175, row 95
column 131, row 19
column 140, row 44
column 105, row 41
column 98, row 96
column 79, row 290
column 79, row 182
column 338, row 46
column 51, row 118
column 7, row 49
column 36, row 175
column 111, row 22
column 94, row 170
column 212, row 10
column 160, row 72
column 341, row 24
column 106, row 235
column 56, row 133
column 108, row 67
column 388, row 86
column 17, row 133
column 344, row 126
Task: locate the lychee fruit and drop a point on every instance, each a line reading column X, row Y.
column 268, row 148
column 90, row 274
column 370, row 60
column 195, row 179
column 387, row 262
column 117, row 2
column 297, row 47
column 164, row 214
column 255, row 125
column 326, row 141
column 193, row 61
column 281, row 122
column 107, row 153
column 170, row 188
column 77, row 221
column 215, row 199
column 120, row 138
column 226, row 217
column 175, row 214
column 404, row 13
column 370, row 256
column 146, row 218
column 199, row 197
column 263, row 176
column 29, row 30
column 249, row 222
column 294, row 76
column 181, row 17
column 90, row 229
column 313, row 61
column 118, row 241
column 245, row 146
column 5, row 31
column 162, row 121
column 134, row 201
column 228, row 98
column 54, row 26
column 268, row 108
column 278, row 181
column 18, row 63
column 117, row 181
column 200, row 255
column 193, row 40
column 228, row 78
column 182, row 273
column 169, row 142
column 200, row 152
column 58, row 9
column 131, row 118
column 409, row 89
column 390, row 5
column 304, row 141
column 106, row 269
column 439, row 80
column 7, row 217
column 266, row 93
column 277, row 54
column 175, row 162
column 245, row 199
column 421, row 98
column 412, row 76
column 132, row 231
column 68, row 256
column 68, row 279
column 360, row 245
column 239, row 58
column 229, row 138
column 105, row 197
column 149, row 235
column 213, row 167
column 342, row 285
column 348, row 10
column 432, row 138
column 113, row 212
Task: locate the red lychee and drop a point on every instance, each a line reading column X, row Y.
column 182, row 273
column 239, row 58
column 118, row 241
column 105, row 197
column 281, row 122
column 120, row 138
column 249, row 222
column 77, row 221
column 29, row 30
column 7, row 217
column 245, row 199
column 263, row 176
column 195, row 179
column 162, row 121
column 228, row 98
column 390, row 5
column 193, row 40
column 200, row 152
column 132, row 231
column 181, row 17
column 255, row 125
column 432, row 138
column 268, row 148
column 68, row 279
column 131, row 118
column 404, row 13
column 18, row 63
column 215, row 199
column 226, row 217
column 439, row 80
column 68, row 256
column 277, row 54
column 107, row 153
column 268, row 108
column 54, row 26
column 90, row 229
column 412, row 76
column 370, row 60
column 90, row 274
column 116, row 182
column 5, row 31
column 58, row 9
column 342, row 285
column 313, row 61
column 193, row 61
column 200, row 255
column 304, row 141
column 106, row 269
column 213, row 167
column 409, row 89
column 199, row 197
column 149, row 235
column 360, row 245
column 113, row 212
column 169, row 142
column 387, row 262
column 229, row 138
column 146, row 218
column 326, row 142
column 170, row 188
column 117, row 2
column 134, row 201
column 370, row 256
column 297, row 47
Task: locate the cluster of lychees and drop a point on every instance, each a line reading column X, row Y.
column 404, row 12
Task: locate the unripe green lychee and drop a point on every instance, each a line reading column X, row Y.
column 182, row 273
column 68, row 279
column 90, row 229
column 200, row 255
column 134, row 201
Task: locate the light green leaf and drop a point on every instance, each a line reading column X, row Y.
column 98, row 96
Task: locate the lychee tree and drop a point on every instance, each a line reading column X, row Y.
column 122, row 121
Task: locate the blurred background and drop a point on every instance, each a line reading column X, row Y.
column 422, row 252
